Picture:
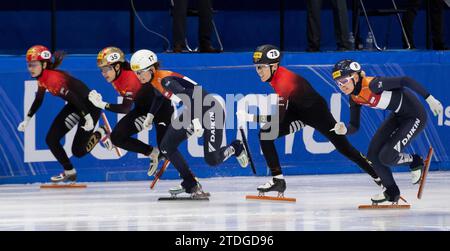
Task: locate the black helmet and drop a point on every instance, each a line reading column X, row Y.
column 266, row 54
column 345, row 67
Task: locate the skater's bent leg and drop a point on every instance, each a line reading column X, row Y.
column 131, row 124
column 383, row 171
column 182, row 167
column 392, row 151
column 214, row 153
column 268, row 146
column 169, row 147
column 344, row 147
column 61, row 125
column 162, row 121
column 85, row 141
column 382, row 135
column 270, row 154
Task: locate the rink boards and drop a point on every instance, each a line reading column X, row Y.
column 25, row 157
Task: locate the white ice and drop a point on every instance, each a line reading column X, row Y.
column 324, row 202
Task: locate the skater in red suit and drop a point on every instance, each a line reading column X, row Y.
column 116, row 70
column 299, row 105
column 77, row 112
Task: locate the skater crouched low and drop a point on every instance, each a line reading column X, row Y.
column 202, row 116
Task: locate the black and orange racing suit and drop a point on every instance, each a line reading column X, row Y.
column 406, row 120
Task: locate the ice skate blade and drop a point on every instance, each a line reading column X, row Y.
column 63, row 185
column 424, row 173
column 393, row 206
column 270, row 198
column 181, row 198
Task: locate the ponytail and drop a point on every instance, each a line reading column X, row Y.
column 58, row 58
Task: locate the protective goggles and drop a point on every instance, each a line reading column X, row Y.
column 260, row 67
column 343, row 81
column 33, row 64
column 105, row 69
column 142, row 71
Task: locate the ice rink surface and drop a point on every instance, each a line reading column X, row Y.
column 324, row 202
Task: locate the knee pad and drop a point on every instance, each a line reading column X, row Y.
column 296, row 126
column 139, row 122
column 71, row 120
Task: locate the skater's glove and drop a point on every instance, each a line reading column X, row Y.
column 154, row 161
column 107, row 143
column 198, row 129
column 23, row 124
column 435, row 105
column 339, row 128
column 96, row 99
column 148, row 122
column 244, row 116
column 89, row 123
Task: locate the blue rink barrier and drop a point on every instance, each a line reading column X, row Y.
column 25, row 158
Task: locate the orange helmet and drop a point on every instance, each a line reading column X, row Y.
column 109, row 56
column 38, row 53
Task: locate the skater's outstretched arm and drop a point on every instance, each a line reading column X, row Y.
column 379, row 85
column 37, row 102
column 97, row 100
column 33, row 109
column 125, row 107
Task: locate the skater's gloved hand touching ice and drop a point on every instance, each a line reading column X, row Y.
column 198, row 129
column 89, row 123
column 244, row 116
column 435, row 105
column 339, row 128
column 96, row 99
column 148, row 122
column 23, row 124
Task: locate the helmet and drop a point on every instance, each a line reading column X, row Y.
column 345, row 67
column 143, row 59
column 266, row 54
column 109, row 56
column 38, row 53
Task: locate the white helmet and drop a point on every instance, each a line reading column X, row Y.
column 142, row 59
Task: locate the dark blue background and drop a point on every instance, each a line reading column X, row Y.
column 84, row 26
